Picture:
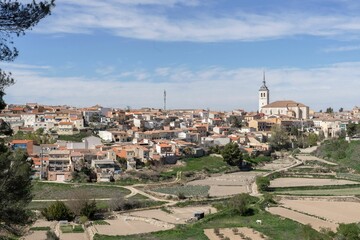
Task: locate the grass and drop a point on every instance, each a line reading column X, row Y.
column 40, row 229
column 207, row 164
column 74, row 138
column 272, row 226
column 46, row 190
column 71, row 229
column 324, row 192
column 318, row 188
column 100, row 222
column 187, row 190
column 138, row 197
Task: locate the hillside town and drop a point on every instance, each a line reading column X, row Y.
column 112, row 141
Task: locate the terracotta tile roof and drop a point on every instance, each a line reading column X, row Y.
column 284, row 104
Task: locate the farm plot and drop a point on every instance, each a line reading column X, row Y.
column 187, row 190
column 234, row 233
column 315, row 222
column 332, row 211
column 228, row 184
column 46, row 190
column 299, row 182
column 313, row 158
column 174, row 215
column 341, row 191
column 123, row 226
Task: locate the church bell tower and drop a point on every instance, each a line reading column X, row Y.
column 263, row 94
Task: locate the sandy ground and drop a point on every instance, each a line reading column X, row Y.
column 248, row 232
column 178, row 215
column 296, row 182
column 122, row 227
column 315, row 223
column 337, row 212
column 73, row 236
column 228, row 184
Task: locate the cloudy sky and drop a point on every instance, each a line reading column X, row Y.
column 205, row 53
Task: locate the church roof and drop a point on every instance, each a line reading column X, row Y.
column 264, row 87
column 284, row 104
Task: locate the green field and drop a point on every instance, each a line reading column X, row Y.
column 207, row 164
column 323, row 192
column 46, row 190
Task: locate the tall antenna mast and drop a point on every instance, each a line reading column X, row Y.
column 164, row 100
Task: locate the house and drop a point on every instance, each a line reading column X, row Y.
column 105, row 169
column 26, row 145
column 60, row 166
column 66, row 128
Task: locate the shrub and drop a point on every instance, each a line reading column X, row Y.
column 240, row 204
column 58, row 211
column 263, row 183
column 50, row 235
column 89, row 209
column 181, row 195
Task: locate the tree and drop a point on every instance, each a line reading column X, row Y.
column 15, row 171
column 232, row 154
column 15, row 189
column 89, row 209
column 15, row 19
column 240, row 204
column 263, row 183
column 341, row 109
column 279, row 138
column 58, row 211
column 329, row 110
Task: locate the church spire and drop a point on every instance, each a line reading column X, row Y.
column 264, row 82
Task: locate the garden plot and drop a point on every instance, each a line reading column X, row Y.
column 313, row 158
column 315, row 222
column 234, row 234
column 174, row 215
column 227, row 184
column 125, row 226
column 278, row 164
column 332, row 211
column 299, row 182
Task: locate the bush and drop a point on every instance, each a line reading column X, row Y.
column 263, row 183
column 181, row 195
column 50, row 235
column 241, row 204
column 58, row 211
column 89, row 209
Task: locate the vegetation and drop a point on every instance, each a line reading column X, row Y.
column 50, row 235
column 40, row 229
column 76, row 137
column 241, row 204
column 353, row 129
column 58, row 211
column 15, row 189
column 279, row 138
column 207, row 164
column 39, row 137
column 44, row 190
column 71, row 228
column 263, row 183
column 232, row 154
column 342, row 152
column 186, row 190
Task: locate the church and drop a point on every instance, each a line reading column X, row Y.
column 287, row 108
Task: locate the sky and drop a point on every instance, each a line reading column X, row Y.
column 204, row 53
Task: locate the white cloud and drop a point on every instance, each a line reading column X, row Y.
column 342, row 48
column 213, row 87
column 129, row 18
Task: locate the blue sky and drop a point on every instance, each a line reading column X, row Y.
column 205, row 53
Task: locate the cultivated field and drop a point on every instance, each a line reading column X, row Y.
column 235, row 233
column 319, row 213
column 313, row 158
column 346, row 191
column 174, row 215
column 187, row 190
column 298, row 182
column 228, row 184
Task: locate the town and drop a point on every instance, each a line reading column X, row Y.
column 157, row 168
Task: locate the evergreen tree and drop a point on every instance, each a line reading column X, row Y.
column 232, row 154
